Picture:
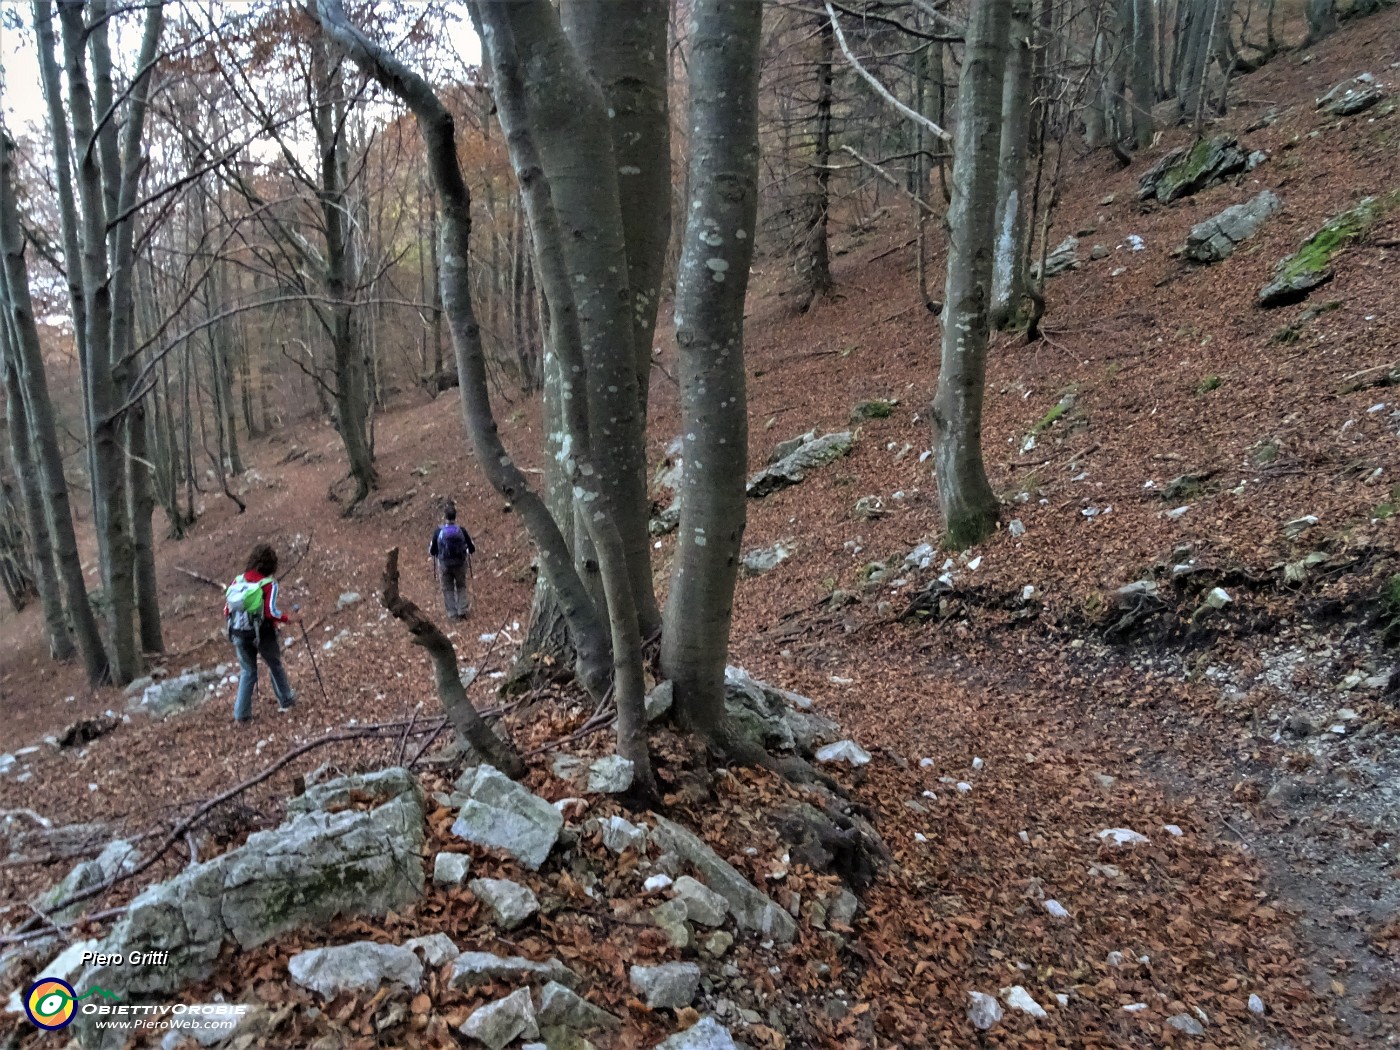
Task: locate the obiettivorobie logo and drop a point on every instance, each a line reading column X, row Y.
column 52, row 1003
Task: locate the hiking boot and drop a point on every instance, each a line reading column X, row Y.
column 284, row 708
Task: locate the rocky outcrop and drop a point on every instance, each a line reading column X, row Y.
column 705, row 1034
column 163, row 699
column 1311, row 265
column 118, row 856
column 765, row 559
column 1216, row 238
column 1182, row 172
column 309, row 870
column 774, row 718
column 791, row 468
column 1352, row 96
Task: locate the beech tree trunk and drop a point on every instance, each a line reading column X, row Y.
column 40, row 565
column 623, row 45
column 1322, row 20
column 1010, row 264
column 969, row 506
column 814, row 248
column 1141, row 35
column 712, row 283
column 566, row 117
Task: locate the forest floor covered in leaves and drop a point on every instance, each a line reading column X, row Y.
column 1014, row 709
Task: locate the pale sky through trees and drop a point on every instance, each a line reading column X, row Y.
column 22, row 102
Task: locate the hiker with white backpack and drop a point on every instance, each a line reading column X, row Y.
column 451, row 550
column 250, row 606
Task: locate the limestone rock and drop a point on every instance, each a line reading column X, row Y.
column 705, row 1034
column 1311, row 265
column 611, row 775
column 660, row 699
column 476, row 968
column 117, row 856
column 702, row 904
column 620, row 834
column 1215, row 239
column 1186, row 1023
column 503, row 815
column 783, row 449
column 502, row 1022
column 983, row 1010
column 1121, row 837
column 510, row 903
column 314, row 867
column 163, row 699
column 774, row 718
column 761, row 560
column 670, row 917
column 450, row 869
column 669, row 520
column 847, row 751
column 670, row 985
column 1181, row 172
column 347, row 599
column 374, row 788
column 563, row 1008
column 752, row 909
column 792, row 467
column 1018, row 998
column 358, row 967
column 1061, row 259
column 1352, row 96
column 437, row 948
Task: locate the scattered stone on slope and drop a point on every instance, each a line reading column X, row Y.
column 620, row 834
column 450, row 869
column 1186, row 1023
column 702, row 904
column 878, row 408
column 1352, row 96
column 1216, row 238
column 670, row 917
column 660, row 699
column 1018, row 998
column 476, row 968
column 669, row 985
column 503, row 1021
column 346, row 600
column 705, row 1034
column 358, row 967
column 375, row 788
column 752, row 909
column 793, row 466
column 765, row 559
column 510, row 903
column 847, row 751
column 307, row 871
column 1061, row 259
column 1311, row 265
column 562, row 1008
column 163, row 699
column 501, row 814
column 783, row 449
column 1121, row 837
column 611, row 775
column 667, row 520
column 983, row 1010
column 1182, row 172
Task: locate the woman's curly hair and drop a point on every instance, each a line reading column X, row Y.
column 263, row 560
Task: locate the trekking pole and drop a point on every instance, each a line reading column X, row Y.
column 311, row 653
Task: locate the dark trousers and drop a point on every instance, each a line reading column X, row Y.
column 455, row 598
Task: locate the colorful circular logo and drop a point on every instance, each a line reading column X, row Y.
column 49, row 1003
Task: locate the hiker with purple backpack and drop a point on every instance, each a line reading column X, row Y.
column 451, row 550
